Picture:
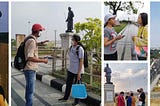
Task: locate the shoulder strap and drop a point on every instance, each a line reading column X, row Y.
column 29, row 37
column 77, row 50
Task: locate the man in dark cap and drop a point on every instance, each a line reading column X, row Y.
column 70, row 20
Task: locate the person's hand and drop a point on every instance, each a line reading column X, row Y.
column 45, row 61
column 79, row 76
column 119, row 37
column 45, row 41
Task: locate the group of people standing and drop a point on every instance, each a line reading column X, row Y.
column 130, row 99
column 111, row 37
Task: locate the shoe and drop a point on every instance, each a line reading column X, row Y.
column 62, row 100
column 75, row 104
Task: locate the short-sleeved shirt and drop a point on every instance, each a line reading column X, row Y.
column 110, row 34
column 31, row 50
column 74, row 59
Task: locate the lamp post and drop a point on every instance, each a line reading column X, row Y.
column 29, row 22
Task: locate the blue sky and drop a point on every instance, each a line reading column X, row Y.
column 129, row 76
column 51, row 15
column 4, row 18
column 155, row 24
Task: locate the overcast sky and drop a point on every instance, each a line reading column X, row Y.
column 51, row 15
column 129, row 76
column 4, row 18
column 155, row 24
column 123, row 15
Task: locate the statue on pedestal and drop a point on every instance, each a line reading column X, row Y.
column 108, row 72
column 69, row 20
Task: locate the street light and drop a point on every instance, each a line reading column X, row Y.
column 29, row 22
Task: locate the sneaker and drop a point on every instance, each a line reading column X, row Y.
column 62, row 100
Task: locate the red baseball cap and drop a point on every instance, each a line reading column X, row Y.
column 37, row 27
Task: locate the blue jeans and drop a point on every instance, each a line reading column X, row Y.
column 30, row 82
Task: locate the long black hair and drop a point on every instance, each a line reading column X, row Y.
column 144, row 17
column 2, row 92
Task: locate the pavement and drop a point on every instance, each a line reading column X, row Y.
column 47, row 90
column 125, row 46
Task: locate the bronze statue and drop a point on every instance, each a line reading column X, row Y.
column 108, row 72
column 70, row 20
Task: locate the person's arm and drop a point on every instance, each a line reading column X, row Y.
column 81, row 57
column 80, row 69
column 42, row 42
column 108, row 42
column 38, row 60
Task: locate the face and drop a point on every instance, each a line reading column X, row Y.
column 74, row 43
column 39, row 33
column 112, row 21
column 139, row 20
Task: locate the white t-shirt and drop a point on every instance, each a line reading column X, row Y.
column 74, row 59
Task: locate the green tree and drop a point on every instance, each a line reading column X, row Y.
column 13, row 42
column 124, row 6
column 91, row 30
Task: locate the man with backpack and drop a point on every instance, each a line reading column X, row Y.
column 76, row 67
column 31, row 56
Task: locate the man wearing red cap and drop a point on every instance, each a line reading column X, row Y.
column 31, row 55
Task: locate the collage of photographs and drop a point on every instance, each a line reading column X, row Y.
column 79, row 53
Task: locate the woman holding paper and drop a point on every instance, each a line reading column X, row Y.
column 141, row 40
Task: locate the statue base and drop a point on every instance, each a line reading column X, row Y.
column 109, row 94
column 66, row 40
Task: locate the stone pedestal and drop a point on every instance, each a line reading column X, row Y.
column 109, row 94
column 65, row 44
column 66, row 40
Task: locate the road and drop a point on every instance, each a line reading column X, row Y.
column 44, row 94
column 125, row 45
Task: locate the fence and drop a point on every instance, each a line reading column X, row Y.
column 60, row 63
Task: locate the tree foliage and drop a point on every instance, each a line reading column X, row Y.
column 124, row 6
column 91, row 31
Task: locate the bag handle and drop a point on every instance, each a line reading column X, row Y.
column 79, row 81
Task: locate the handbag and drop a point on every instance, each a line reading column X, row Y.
column 79, row 91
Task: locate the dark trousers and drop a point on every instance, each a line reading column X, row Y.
column 71, row 78
column 111, row 56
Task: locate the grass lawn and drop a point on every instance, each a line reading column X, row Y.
column 118, row 29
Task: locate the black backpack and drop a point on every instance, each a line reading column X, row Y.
column 20, row 60
column 85, row 60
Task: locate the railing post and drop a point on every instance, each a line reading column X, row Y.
column 63, row 61
column 53, row 61
column 91, row 70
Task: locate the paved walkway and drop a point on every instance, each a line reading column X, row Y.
column 44, row 94
column 125, row 45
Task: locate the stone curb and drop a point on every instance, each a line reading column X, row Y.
column 59, row 85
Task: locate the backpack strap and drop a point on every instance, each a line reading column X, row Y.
column 77, row 50
column 29, row 37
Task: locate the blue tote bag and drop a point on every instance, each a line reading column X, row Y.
column 79, row 91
